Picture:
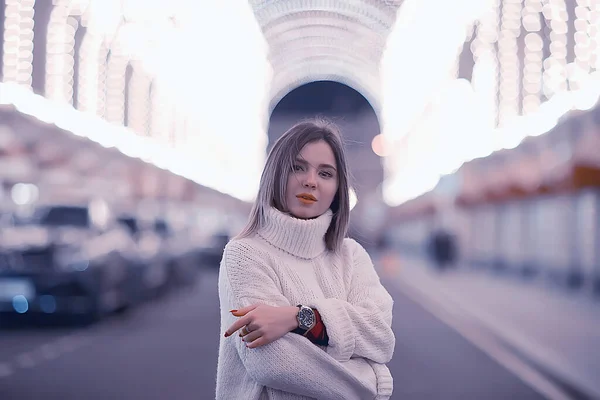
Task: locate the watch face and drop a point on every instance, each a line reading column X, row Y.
column 306, row 318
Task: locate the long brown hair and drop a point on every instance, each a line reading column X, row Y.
column 273, row 181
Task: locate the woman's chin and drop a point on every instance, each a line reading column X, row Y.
column 303, row 213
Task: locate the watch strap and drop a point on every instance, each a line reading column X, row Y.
column 299, row 330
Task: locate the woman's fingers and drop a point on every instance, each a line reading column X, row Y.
column 237, row 325
column 245, row 330
column 261, row 341
column 243, row 311
column 252, row 336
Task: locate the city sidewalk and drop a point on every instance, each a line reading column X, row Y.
column 556, row 330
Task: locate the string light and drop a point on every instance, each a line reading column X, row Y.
column 60, row 42
column 508, row 90
column 533, row 61
column 10, row 45
column 101, row 61
column 485, row 71
column 555, row 66
column 587, row 41
column 594, row 34
column 18, row 42
column 87, row 90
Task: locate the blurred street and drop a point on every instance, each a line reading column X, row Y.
column 167, row 348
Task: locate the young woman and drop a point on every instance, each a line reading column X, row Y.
column 303, row 313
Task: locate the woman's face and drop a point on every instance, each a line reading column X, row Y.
column 313, row 181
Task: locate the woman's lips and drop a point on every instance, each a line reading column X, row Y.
column 306, row 201
column 306, row 198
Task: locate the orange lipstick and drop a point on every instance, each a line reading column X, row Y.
column 306, row 198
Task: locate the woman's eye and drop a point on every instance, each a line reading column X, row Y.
column 297, row 167
column 326, row 174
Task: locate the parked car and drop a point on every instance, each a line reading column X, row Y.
column 151, row 262
column 62, row 260
column 212, row 253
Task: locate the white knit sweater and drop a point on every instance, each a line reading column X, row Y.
column 286, row 263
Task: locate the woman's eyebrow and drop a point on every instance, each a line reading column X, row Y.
column 303, row 161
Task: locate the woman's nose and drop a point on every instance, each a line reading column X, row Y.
column 310, row 181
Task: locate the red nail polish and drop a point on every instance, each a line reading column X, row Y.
column 232, row 311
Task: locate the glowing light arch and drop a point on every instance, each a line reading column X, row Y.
column 368, row 13
column 324, row 71
column 278, row 32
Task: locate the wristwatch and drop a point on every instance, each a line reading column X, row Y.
column 306, row 320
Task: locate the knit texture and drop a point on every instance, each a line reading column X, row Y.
column 286, row 263
column 304, row 238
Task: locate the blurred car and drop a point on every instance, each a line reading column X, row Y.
column 151, row 263
column 212, row 253
column 61, row 259
column 183, row 254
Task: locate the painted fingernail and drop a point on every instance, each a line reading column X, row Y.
column 232, row 311
column 226, row 334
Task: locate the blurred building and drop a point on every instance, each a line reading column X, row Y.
column 532, row 211
column 124, row 74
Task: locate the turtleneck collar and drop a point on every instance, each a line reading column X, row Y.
column 303, row 238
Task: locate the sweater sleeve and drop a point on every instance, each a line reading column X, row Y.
column 362, row 325
column 292, row 363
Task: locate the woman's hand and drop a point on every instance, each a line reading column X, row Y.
column 263, row 324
